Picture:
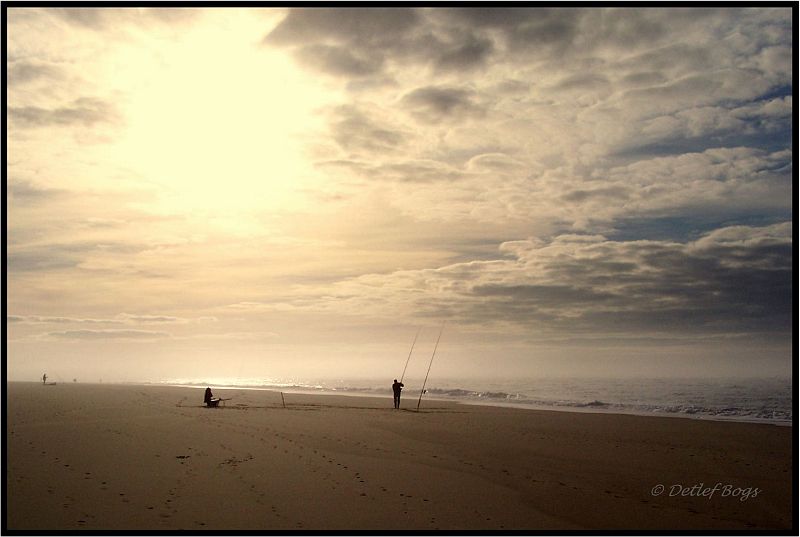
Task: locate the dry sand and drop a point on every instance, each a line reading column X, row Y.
column 108, row 457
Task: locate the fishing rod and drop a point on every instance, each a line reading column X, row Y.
column 409, row 355
column 429, row 366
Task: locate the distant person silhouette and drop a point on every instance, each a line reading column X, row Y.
column 209, row 398
column 44, row 378
column 397, row 387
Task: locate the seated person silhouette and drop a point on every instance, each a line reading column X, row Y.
column 209, row 398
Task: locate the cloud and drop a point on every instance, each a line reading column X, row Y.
column 470, row 53
column 355, row 131
column 522, row 29
column 363, row 26
column 150, row 318
column 43, row 257
column 29, row 193
column 339, row 60
column 100, row 19
column 608, row 193
column 765, row 123
column 259, row 336
column 570, row 97
column 400, row 171
column 44, row 319
column 83, row 111
column 732, row 280
column 496, row 162
column 34, row 261
column 27, row 71
column 584, row 105
column 368, row 41
column 93, row 335
column 434, row 103
column 122, row 318
column 643, row 156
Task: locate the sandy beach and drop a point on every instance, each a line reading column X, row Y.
column 123, row 457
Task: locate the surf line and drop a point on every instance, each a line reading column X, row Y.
column 429, row 366
column 409, row 355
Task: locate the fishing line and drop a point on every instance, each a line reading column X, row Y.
column 429, row 366
column 409, row 355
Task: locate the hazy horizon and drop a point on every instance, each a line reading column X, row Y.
column 294, row 193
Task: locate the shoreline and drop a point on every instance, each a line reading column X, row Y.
column 494, row 404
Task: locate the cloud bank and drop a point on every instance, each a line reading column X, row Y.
column 329, row 175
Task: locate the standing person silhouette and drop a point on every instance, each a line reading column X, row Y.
column 397, row 387
column 44, row 378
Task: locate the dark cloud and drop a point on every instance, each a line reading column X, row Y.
column 545, row 295
column 733, row 280
column 643, row 79
column 472, row 52
column 25, row 71
column 354, row 130
column 581, row 82
column 433, row 103
column 44, row 257
column 359, row 42
column 39, row 261
column 368, row 40
column 359, row 26
column 27, row 192
column 339, row 60
column 84, row 111
column 539, row 30
column 613, row 192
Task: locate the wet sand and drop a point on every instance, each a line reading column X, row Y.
column 115, row 457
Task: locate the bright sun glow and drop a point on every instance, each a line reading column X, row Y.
column 217, row 135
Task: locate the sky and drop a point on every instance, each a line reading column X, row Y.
column 296, row 193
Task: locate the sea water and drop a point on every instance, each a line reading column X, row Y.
column 740, row 399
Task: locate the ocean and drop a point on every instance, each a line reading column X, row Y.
column 766, row 400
